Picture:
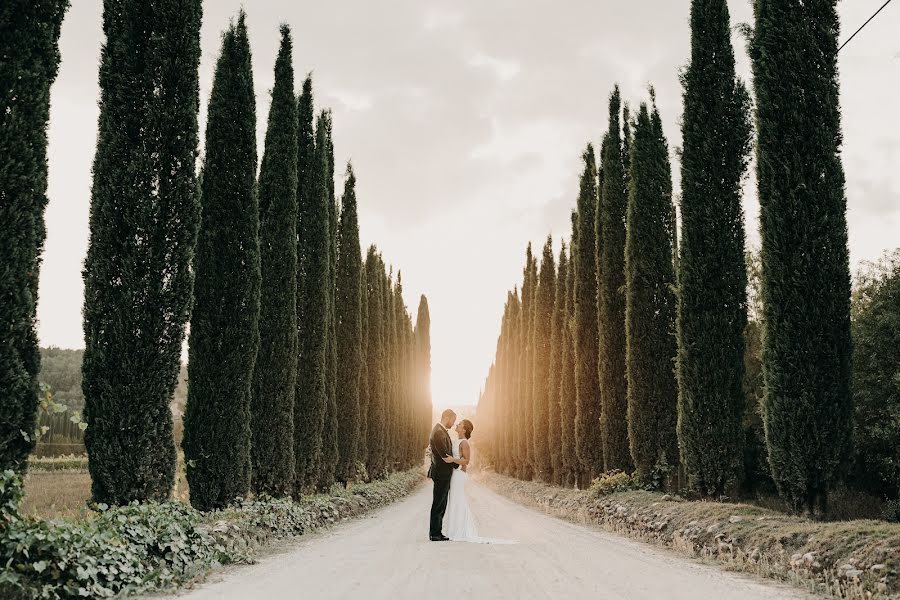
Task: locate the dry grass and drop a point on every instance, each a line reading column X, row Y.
column 57, row 494
column 60, row 487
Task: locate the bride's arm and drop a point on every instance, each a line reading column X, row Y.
column 463, row 459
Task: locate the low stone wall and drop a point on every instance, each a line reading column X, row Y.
column 852, row 559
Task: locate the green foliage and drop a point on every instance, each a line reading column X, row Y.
column 224, row 323
column 61, row 370
column 143, row 226
column 325, row 165
column 422, row 376
column 139, row 548
column 712, row 276
column 588, row 436
column 524, row 409
column 567, row 394
column 375, row 421
column 613, row 482
column 558, row 339
column 272, row 395
column 312, row 300
column 545, row 296
column 125, row 550
column 611, row 294
column 650, row 300
column 349, row 332
column 808, row 406
column 876, row 379
column 29, row 47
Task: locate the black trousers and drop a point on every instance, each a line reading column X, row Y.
column 439, row 505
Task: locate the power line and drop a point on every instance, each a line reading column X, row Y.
column 864, row 24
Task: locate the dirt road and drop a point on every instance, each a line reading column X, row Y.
column 388, row 555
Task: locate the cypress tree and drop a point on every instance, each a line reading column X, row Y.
column 524, row 408
column 362, row 430
column 272, row 402
column 325, row 165
column 143, row 228
column 568, row 404
column 557, row 351
column 588, row 440
column 540, row 371
column 712, row 274
column 650, row 302
column 398, row 436
column 312, row 297
column 423, row 375
column 390, row 388
column 807, row 407
column 224, row 324
column 512, row 398
column 501, row 419
column 349, row 331
column 611, row 296
column 30, row 51
column 375, row 420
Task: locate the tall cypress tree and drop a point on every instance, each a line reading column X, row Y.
column 272, row 402
column 712, row 275
column 512, row 398
column 375, row 420
column 611, row 295
column 545, row 294
column 390, row 388
column 588, row 439
column 143, row 228
column 314, row 238
column 650, row 301
column 325, row 165
column 807, row 406
column 501, row 411
column 225, row 321
column 362, row 431
column 568, row 403
column 524, row 408
column 554, row 385
column 30, row 51
column 423, row 375
column 349, row 331
column 400, row 431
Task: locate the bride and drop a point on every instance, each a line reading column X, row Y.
column 460, row 522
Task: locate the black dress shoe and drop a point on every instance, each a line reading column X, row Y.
column 439, row 538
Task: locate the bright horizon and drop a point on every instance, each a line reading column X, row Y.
column 465, row 125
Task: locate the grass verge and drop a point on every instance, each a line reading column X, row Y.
column 850, row 559
column 157, row 546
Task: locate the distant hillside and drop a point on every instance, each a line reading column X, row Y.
column 61, row 370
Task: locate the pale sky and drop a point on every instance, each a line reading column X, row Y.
column 465, row 121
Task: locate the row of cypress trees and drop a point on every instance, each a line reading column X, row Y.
column 30, row 51
column 645, row 344
column 305, row 367
column 612, row 280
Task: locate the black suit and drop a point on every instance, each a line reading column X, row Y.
column 440, row 472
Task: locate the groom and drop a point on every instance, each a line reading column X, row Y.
column 440, row 473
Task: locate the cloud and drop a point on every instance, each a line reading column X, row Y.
column 504, row 70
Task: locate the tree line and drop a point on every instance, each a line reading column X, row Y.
column 630, row 355
column 305, row 367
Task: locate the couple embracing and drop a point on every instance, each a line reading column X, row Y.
column 450, row 462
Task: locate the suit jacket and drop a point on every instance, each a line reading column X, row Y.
column 441, row 446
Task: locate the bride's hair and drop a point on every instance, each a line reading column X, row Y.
column 467, row 427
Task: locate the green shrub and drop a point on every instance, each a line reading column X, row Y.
column 154, row 546
column 613, row 482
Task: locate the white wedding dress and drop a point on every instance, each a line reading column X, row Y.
column 459, row 522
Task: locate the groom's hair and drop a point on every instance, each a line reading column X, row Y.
column 447, row 413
